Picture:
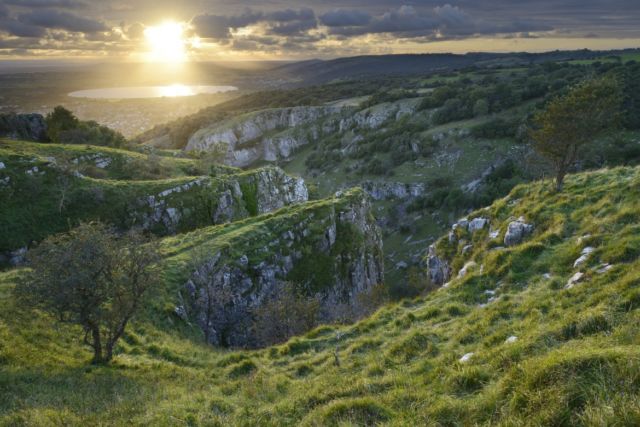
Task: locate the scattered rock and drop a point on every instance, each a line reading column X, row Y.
column 467, row 267
column 462, row 223
column 466, row 358
column 511, row 339
column 547, row 276
column 2, row 166
column 467, row 249
column 604, row 268
column 576, row 278
column 477, row 224
column 584, row 256
column 34, row 170
column 517, row 231
column 181, row 312
column 18, row 257
column 494, row 234
column 402, row 265
column 583, row 238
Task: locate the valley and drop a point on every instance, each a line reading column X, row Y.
column 329, row 246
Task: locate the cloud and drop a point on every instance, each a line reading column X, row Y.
column 286, row 22
column 48, row 18
column 19, row 29
column 291, row 22
column 4, row 11
column 345, row 18
column 444, row 21
column 219, row 27
column 47, row 3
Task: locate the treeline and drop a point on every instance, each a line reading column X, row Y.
column 63, row 127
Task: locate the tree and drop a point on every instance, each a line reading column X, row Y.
column 286, row 314
column 60, row 120
column 573, row 120
column 92, row 278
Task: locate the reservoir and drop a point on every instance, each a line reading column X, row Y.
column 142, row 92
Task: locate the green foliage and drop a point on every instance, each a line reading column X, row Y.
column 250, row 196
column 90, row 278
column 573, row 120
column 58, row 121
column 63, row 127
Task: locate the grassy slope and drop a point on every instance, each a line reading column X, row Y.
column 576, row 360
column 36, row 214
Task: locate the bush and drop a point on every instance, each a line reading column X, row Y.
column 287, row 314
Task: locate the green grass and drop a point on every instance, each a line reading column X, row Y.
column 576, row 360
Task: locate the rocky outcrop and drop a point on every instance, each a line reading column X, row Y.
column 225, row 199
column 330, row 250
column 275, row 134
column 376, row 116
column 393, row 190
column 250, row 138
column 31, row 127
column 517, row 231
column 437, row 268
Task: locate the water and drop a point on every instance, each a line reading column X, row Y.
column 140, row 92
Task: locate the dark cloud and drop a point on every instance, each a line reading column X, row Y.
column 440, row 22
column 345, row 18
column 219, row 27
column 4, row 11
column 285, row 22
column 19, row 29
column 291, row 22
column 50, row 18
column 47, row 3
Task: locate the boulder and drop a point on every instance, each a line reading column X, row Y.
column 575, row 279
column 517, row 231
column 466, row 358
column 584, row 256
column 477, row 224
column 438, row 269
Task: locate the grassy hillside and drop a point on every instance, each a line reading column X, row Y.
column 46, row 188
column 574, row 360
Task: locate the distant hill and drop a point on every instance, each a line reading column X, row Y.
column 318, row 71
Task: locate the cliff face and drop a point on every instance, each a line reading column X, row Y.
column 331, row 250
column 206, row 201
column 276, row 134
column 249, row 137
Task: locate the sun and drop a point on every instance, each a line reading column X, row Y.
column 167, row 42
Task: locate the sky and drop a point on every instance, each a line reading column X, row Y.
column 286, row 29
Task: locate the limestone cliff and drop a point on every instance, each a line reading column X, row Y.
column 330, row 249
